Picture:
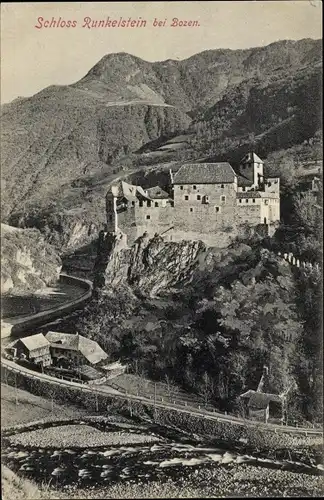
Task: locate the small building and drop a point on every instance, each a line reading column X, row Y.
column 68, row 349
column 113, row 369
column 35, row 348
column 262, row 404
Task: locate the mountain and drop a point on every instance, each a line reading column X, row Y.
column 63, row 146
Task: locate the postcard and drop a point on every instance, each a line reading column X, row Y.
column 161, row 249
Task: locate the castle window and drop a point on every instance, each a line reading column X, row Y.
column 148, row 203
column 140, row 203
column 240, row 201
column 217, row 209
column 133, row 203
column 253, row 200
column 223, row 199
column 194, row 187
column 191, row 209
column 247, row 200
column 181, row 187
column 243, row 188
column 222, row 186
column 172, row 203
column 198, row 197
column 186, row 197
column 206, row 199
column 148, row 217
column 156, row 204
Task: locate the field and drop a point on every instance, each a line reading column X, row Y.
column 239, row 482
column 233, row 480
column 170, row 392
column 21, row 407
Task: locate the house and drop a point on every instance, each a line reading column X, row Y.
column 210, row 202
column 68, row 349
column 35, row 348
column 261, row 404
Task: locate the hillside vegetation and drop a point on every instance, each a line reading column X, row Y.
column 209, row 320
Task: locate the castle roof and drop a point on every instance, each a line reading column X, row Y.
column 257, row 194
column 157, row 193
column 243, row 181
column 251, row 158
column 249, row 194
column 124, row 190
column 205, row 173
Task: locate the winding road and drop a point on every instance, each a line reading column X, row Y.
column 26, row 322
column 23, row 323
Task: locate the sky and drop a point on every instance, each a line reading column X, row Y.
column 33, row 58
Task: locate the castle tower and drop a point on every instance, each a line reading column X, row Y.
column 251, row 167
column 111, row 209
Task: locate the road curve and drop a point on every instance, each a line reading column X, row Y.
column 23, row 323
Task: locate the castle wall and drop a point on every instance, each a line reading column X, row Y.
column 274, row 210
column 249, row 213
column 221, row 239
column 140, row 218
column 194, row 212
column 259, row 211
column 272, row 185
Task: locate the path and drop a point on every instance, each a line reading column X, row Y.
column 107, row 390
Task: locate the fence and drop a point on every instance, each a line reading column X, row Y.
column 295, row 261
column 78, row 393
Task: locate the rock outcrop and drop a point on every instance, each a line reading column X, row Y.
column 27, row 261
column 150, row 267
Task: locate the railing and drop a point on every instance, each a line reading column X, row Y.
column 295, row 261
column 158, row 402
column 20, row 324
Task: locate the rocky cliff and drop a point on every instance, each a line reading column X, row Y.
column 154, row 267
column 150, row 267
column 27, row 261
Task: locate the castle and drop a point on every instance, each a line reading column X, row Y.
column 205, row 201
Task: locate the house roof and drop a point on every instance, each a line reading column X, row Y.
column 89, row 348
column 204, row 173
column 260, row 400
column 251, row 157
column 247, row 394
column 34, row 341
column 64, row 340
column 156, row 193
